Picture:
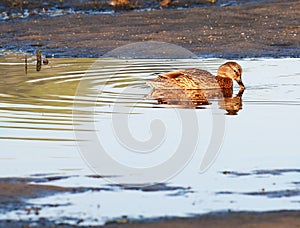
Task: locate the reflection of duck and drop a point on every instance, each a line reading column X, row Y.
column 200, row 79
column 193, row 87
column 232, row 104
column 196, row 98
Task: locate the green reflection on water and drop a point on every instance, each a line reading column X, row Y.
column 48, row 95
column 37, row 105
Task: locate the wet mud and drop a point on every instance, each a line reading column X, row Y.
column 15, row 191
column 10, row 9
column 273, row 172
column 268, row 29
column 276, row 219
column 222, row 220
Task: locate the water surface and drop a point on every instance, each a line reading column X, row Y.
column 256, row 168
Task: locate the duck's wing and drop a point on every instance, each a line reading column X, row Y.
column 185, row 79
column 172, row 74
column 198, row 79
column 162, row 83
column 166, row 80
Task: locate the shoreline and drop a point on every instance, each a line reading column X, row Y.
column 269, row 219
column 254, row 30
column 16, row 191
column 241, row 219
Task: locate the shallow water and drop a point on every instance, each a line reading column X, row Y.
column 255, row 165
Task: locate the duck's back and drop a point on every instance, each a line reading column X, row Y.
column 186, row 79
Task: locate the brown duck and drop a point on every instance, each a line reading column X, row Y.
column 193, row 88
column 200, row 79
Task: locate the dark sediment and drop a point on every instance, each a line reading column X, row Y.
column 15, row 191
column 11, row 7
column 224, row 220
column 254, row 30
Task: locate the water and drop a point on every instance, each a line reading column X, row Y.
column 256, row 167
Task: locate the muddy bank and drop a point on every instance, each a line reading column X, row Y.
column 225, row 220
column 259, row 29
column 10, row 9
column 14, row 192
column 20, row 9
column 276, row 219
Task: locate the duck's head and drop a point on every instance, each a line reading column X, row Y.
column 233, row 71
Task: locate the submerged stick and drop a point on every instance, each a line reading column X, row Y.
column 25, row 64
column 38, row 60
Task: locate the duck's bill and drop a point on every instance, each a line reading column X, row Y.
column 241, row 84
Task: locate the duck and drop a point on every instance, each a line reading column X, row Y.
column 195, row 79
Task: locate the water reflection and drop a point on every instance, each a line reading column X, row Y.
column 198, row 98
column 36, row 105
column 232, row 104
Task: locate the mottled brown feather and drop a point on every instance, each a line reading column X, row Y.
column 199, row 79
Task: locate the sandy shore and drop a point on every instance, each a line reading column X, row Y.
column 254, row 30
